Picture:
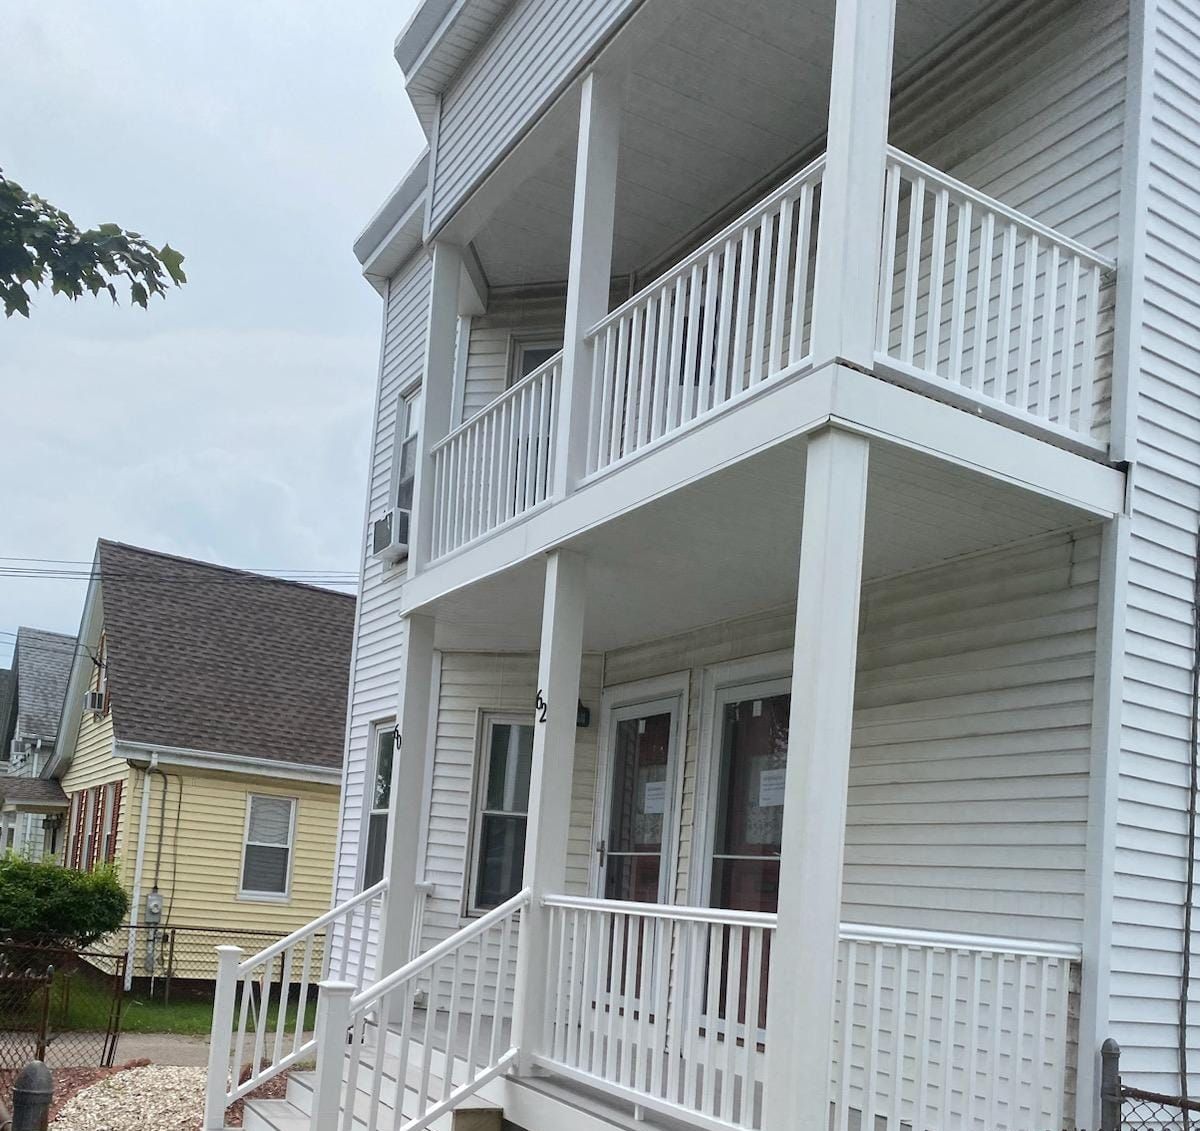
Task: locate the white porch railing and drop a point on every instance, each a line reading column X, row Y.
column 655, row 1004
column 734, row 314
column 284, row 975
column 465, row 1028
column 993, row 307
column 498, row 465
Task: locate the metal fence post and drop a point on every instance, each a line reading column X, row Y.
column 1110, row 1086
column 217, row 1082
column 33, row 1092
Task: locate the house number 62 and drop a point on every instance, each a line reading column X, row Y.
column 540, row 706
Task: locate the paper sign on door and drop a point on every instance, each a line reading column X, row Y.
column 654, row 797
column 770, row 788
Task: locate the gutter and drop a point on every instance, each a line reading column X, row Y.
column 180, row 757
column 136, row 898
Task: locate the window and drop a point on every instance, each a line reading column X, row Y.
column 503, row 807
column 531, row 354
column 379, row 795
column 266, row 857
column 404, row 460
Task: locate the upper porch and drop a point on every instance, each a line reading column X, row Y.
column 727, row 263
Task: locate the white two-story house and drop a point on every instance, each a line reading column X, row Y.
column 774, row 692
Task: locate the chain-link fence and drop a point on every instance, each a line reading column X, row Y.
column 59, row 1004
column 1124, row 1108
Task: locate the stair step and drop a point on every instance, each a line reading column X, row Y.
column 273, row 1115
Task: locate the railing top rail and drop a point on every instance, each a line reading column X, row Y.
column 859, row 932
column 717, row 915
column 912, row 165
column 498, row 402
column 765, row 205
column 266, row 954
column 1022, row 948
column 374, row 992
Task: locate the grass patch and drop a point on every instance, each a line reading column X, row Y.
column 89, row 1001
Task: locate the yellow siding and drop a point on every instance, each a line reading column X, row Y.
column 92, row 761
column 200, row 864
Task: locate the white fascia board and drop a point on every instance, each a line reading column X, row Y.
column 80, row 678
column 139, row 753
column 831, row 394
column 394, row 232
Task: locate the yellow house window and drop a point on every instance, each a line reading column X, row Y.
column 267, row 849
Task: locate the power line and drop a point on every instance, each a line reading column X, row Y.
column 87, row 566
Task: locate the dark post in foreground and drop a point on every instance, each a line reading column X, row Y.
column 32, row 1093
column 1110, row 1086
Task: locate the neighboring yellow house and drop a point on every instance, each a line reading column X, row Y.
column 201, row 749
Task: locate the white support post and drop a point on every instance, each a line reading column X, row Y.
column 1103, row 785
column 220, row 1035
column 801, row 992
column 437, row 392
column 408, row 780
column 848, row 237
column 333, row 1020
column 559, row 665
column 590, row 268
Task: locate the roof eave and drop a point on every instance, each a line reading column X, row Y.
column 396, row 230
column 140, row 753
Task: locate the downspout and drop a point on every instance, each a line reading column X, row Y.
column 139, row 860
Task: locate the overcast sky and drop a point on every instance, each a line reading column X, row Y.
column 230, row 422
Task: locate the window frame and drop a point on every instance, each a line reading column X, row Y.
column 250, row 895
column 487, row 721
column 405, row 427
column 520, row 344
column 378, row 728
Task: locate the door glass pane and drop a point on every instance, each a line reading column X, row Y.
column 508, row 768
column 638, row 808
column 749, row 807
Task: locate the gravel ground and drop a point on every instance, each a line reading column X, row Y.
column 153, row 1098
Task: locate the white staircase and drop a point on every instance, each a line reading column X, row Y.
column 406, row 1052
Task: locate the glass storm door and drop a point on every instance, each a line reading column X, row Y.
column 634, row 860
column 748, row 826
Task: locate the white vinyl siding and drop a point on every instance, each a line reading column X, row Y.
column 1036, row 120
column 1151, row 834
column 532, row 53
column 379, row 632
column 472, row 686
column 969, row 773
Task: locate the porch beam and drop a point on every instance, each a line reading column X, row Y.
column 437, row 392
column 408, row 782
column 589, row 267
column 546, row 833
column 848, row 240
column 800, row 1000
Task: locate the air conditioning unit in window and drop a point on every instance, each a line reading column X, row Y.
column 389, row 536
column 93, row 702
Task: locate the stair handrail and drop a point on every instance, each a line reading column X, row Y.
column 222, row 1086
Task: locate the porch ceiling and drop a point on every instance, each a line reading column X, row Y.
column 717, row 102
column 728, row 545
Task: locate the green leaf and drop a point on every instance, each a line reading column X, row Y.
column 173, row 262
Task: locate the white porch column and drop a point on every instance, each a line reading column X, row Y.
column 559, row 664
column 437, row 391
column 848, row 239
column 801, row 992
column 408, row 784
column 590, row 269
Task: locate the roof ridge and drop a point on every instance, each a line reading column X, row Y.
column 247, row 573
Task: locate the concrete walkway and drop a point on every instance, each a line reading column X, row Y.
column 163, row 1048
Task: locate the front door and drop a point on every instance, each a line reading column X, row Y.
column 637, row 819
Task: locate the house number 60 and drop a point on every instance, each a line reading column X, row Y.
column 540, row 706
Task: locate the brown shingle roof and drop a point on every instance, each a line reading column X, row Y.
column 32, row 791
column 201, row 657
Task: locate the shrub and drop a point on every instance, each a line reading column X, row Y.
column 43, row 901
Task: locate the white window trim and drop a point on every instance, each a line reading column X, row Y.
column 268, row 896
column 518, row 343
column 667, row 690
column 377, row 728
column 400, row 433
column 485, row 720
column 721, row 682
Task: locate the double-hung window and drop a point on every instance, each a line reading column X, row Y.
column 404, row 458
column 502, row 811
column 379, row 795
column 267, row 853
column 529, row 354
